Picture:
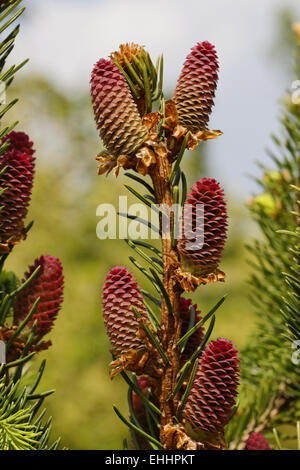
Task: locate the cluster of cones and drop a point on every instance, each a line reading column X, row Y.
column 215, row 385
column 130, row 138
column 17, row 168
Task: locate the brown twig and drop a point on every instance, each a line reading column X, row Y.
column 170, row 324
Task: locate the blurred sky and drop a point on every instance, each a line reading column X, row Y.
column 64, row 38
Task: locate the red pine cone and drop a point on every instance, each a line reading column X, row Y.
column 203, row 260
column 18, row 179
column 116, row 113
column 196, row 338
column 121, row 292
column 195, row 90
column 214, row 389
column 257, row 441
column 48, row 285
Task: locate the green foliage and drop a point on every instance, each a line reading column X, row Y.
column 270, row 389
column 21, row 427
column 291, row 307
column 8, row 17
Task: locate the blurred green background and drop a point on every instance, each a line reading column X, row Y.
column 66, row 194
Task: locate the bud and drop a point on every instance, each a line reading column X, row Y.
column 196, row 338
column 140, row 74
column 195, row 90
column 257, row 441
column 214, row 388
column 48, row 285
column 126, row 52
column 121, row 292
column 203, row 260
column 267, row 203
column 296, row 29
column 18, row 179
column 273, row 178
column 116, row 113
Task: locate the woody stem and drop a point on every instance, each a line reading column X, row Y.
column 170, row 323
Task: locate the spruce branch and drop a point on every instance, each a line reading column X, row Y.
column 140, row 343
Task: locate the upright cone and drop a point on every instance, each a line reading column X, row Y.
column 48, row 285
column 204, row 232
column 116, row 113
column 17, row 162
column 121, row 292
column 214, row 388
column 195, row 90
